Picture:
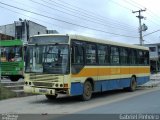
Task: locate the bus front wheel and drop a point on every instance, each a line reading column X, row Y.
column 87, row 91
column 14, row 78
column 51, row 97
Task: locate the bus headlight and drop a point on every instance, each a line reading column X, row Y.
column 26, row 83
column 61, row 85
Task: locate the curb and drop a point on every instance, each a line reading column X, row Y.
column 151, row 83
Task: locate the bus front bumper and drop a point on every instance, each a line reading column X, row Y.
column 45, row 91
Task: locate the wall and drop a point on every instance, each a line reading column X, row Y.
column 35, row 29
column 26, row 30
column 153, row 54
column 8, row 29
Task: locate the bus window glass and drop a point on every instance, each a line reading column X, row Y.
column 140, row 57
column 47, row 59
column 103, row 56
column 124, row 56
column 133, row 57
column 90, row 54
column 146, row 58
column 114, row 55
column 11, row 54
column 77, row 55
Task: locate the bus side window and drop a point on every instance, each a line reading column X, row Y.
column 77, row 57
column 124, row 56
column 115, row 55
column 140, row 57
column 132, row 57
column 3, row 55
column 90, row 53
column 11, row 54
column 146, row 58
column 103, row 54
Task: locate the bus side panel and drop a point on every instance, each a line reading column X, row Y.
column 98, row 86
column 109, row 85
column 105, row 85
column 124, row 82
column 76, row 88
column 142, row 80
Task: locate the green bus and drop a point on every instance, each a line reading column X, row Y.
column 11, row 59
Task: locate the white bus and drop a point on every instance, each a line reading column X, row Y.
column 78, row 65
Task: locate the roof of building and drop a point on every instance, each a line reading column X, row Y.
column 152, row 44
column 36, row 23
column 23, row 21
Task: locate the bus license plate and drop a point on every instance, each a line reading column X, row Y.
column 43, row 90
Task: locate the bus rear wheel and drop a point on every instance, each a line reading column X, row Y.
column 133, row 84
column 87, row 91
column 51, row 97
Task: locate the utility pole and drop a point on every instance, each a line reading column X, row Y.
column 140, row 26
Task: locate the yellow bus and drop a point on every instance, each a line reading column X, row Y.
column 78, row 65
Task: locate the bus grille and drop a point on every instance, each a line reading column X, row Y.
column 43, row 77
column 9, row 66
column 42, row 84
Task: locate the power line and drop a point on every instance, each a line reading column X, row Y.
column 82, row 13
column 147, row 41
column 132, row 4
column 44, row 11
column 151, row 32
column 92, row 13
column 86, row 19
column 31, row 17
column 121, row 5
column 150, row 12
column 140, row 26
column 137, row 4
column 101, row 22
column 65, row 21
column 55, row 25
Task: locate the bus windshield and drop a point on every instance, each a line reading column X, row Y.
column 11, row 54
column 47, row 59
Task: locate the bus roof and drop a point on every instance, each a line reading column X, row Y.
column 15, row 42
column 90, row 39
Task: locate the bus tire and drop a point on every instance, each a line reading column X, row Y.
column 51, row 97
column 133, row 84
column 14, row 78
column 87, row 91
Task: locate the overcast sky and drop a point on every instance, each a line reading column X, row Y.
column 106, row 19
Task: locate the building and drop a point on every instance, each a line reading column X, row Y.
column 52, row 32
column 154, row 56
column 5, row 37
column 23, row 29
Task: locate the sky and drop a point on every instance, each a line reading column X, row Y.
column 105, row 19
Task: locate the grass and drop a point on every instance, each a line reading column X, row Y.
column 5, row 93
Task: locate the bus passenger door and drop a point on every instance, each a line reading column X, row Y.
column 77, row 68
